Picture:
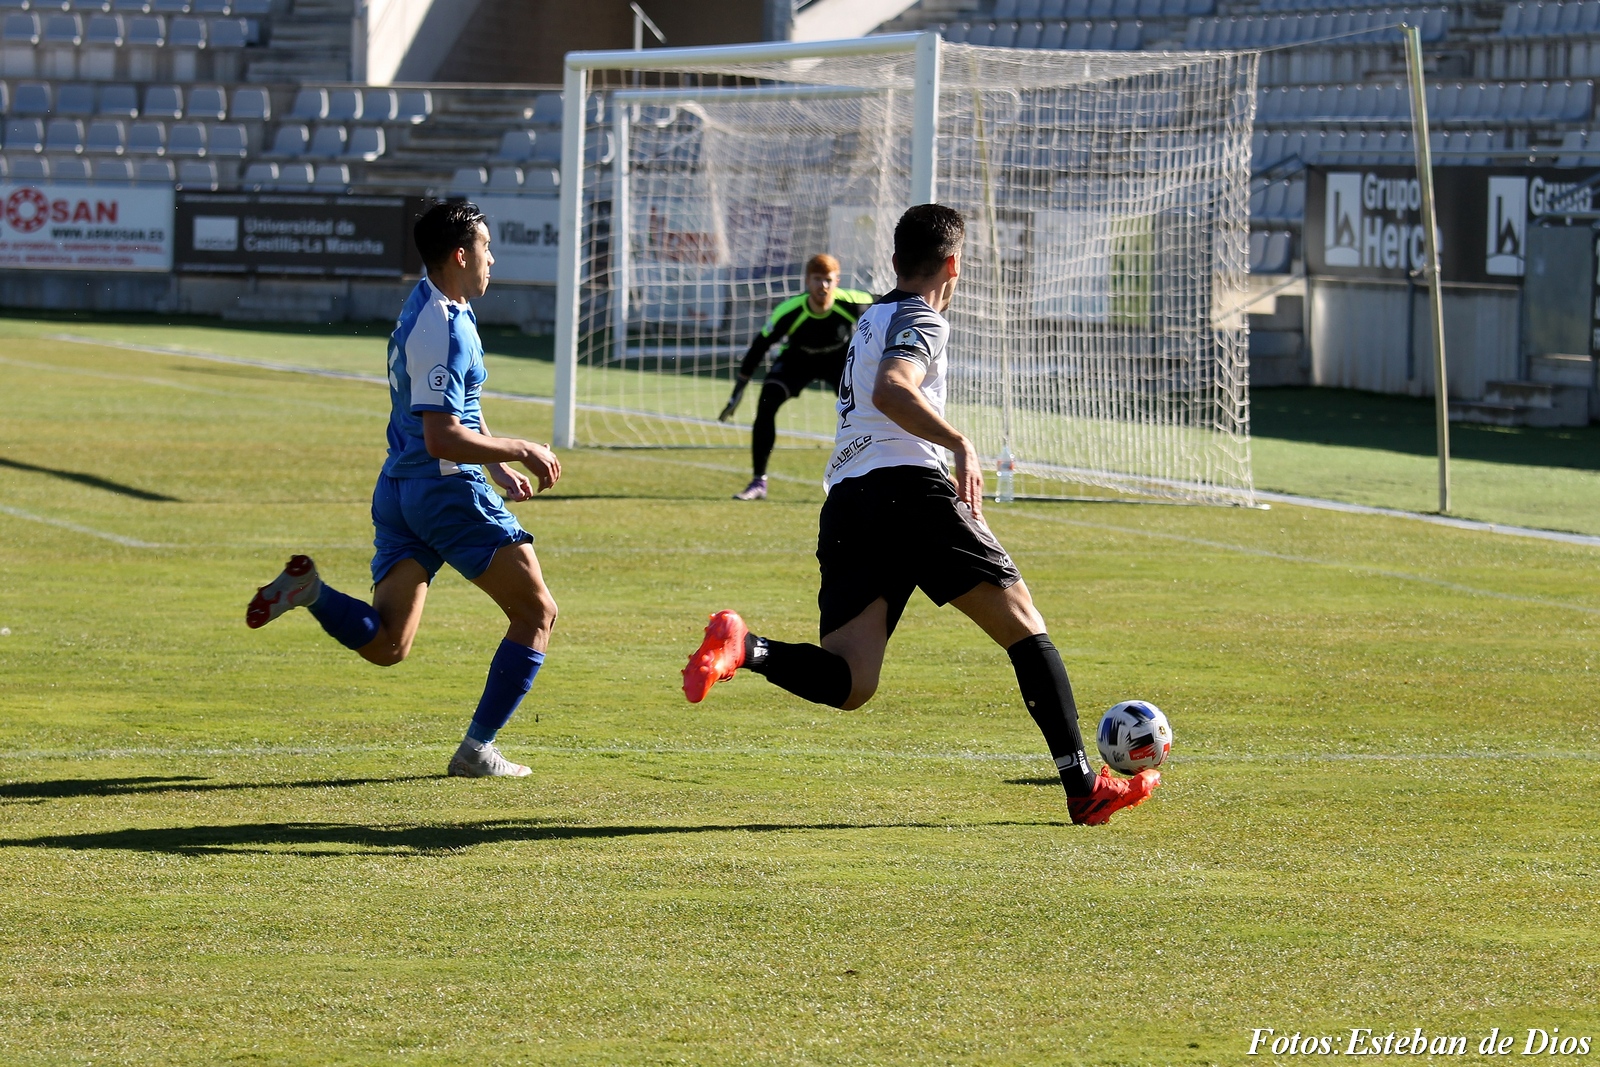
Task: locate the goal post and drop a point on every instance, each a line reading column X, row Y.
column 1098, row 333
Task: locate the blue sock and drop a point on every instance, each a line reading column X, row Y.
column 348, row 621
column 511, row 675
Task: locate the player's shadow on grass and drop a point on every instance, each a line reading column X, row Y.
column 345, row 839
column 1035, row 781
column 93, row 481
column 169, row 783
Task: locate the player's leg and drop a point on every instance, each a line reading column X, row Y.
column 381, row 632
column 515, row 582
column 1009, row 617
column 842, row 672
column 763, row 436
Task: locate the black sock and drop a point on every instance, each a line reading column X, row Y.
column 809, row 672
column 1043, row 680
column 764, row 430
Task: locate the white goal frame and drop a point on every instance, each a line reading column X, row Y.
column 1141, row 426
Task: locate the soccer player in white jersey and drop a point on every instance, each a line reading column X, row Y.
column 896, row 519
column 432, row 504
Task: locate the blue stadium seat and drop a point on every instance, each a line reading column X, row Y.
column 1028, row 35
column 119, row 101
column 260, row 176
column 197, row 174
column 379, row 105
column 292, row 139
column 29, row 168
column 542, row 182
column 344, row 105
column 229, row 139
column 106, row 137
column 187, row 139
column 187, row 33
column 31, row 98
column 366, row 143
column 163, row 102
column 155, row 172
column 330, row 178
column 24, row 135
column 250, row 104
column 1054, row 35
column 146, row 31
column 310, row 105
column 515, row 146
column 229, row 33
column 147, row 137
column 208, row 102
column 414, row 106
column 327, row 142
column 469, row 179
column 64, row 135
column 505, row 180
column 113, row 170
column 62, row 29
column 293, row 176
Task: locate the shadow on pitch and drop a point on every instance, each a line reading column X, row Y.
column 91, row 480
column 167, row 783
column 343, row 839
column 1056, row 781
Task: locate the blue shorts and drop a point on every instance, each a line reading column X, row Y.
column 456, row 519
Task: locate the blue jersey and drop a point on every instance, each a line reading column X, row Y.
column 435, row 364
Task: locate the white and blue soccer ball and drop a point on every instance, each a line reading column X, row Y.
column 1134, row 736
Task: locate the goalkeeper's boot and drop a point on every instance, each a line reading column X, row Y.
column 1111, row 794
column 297, row 587
column 470, row 761
column 756, row 490
column 719, row 655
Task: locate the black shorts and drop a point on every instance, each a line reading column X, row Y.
column 794, row 374
column 895, row 529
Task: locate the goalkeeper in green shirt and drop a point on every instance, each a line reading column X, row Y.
column 813, row 333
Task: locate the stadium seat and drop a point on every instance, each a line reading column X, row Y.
column 414, row 106
column 168, row 7
column 344, row 105
column 957, row 32
column 1028, row 35
column 131, row 7
column 546, row 110
column 327, row 142
column 5, row 98
column 163, row 102
column 228, row 33
column 1102, row 36
column 541, row 182
column 187, row 33
column 1129, row 37
column 1004, row 35
column 119, row 101
column 229, row 140
column 515, row 146
column 1078, row 36
column 1054, row 35
column 113, row 170
column 260, row 176
column 155, row 171
column 366, row 143
column 20, row 28
column 292, row 139
column 209, row 7
column 106, row 137
column 469, row 179
column 75, row 98
column 252, row 8
column 296, row 176
column 64, row 135
column 379, row 105
column 505, row 180
column 29, row 168
column 187, row 139
column 147, row 138
column 250, row 105
column 18, row 35
column 24, row 135
column 62, row 29
column 146, row 31
column 207, row 102
column 310, row 105
column 69, row 170
column 197, row 174
column 32, row 98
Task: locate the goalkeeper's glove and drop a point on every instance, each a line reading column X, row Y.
column 733, row 401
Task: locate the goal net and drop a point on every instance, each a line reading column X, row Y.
column 1098, row 336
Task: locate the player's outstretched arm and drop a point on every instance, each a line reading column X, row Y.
column 896, row 394
column 447, row 438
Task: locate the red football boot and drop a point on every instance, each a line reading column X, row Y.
column 719, row 655
column 298, row 585
column 1111, row 794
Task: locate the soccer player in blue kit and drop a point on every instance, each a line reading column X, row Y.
column 432, row 504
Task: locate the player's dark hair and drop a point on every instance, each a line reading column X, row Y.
column 445, row 227
column 925, row 237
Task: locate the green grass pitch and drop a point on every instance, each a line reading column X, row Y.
column 220, row 846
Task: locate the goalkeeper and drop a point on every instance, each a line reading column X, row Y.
column 813, row 330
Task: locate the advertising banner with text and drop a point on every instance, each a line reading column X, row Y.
column 1366, row 222
column 46, row 226
column 523, row 235
column 266, row 233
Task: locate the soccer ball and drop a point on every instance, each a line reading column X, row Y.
column 1134, row 735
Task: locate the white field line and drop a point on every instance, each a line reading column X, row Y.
column 1377, row 572
column 18, row 513
column 847, row 755
column 1437, row 520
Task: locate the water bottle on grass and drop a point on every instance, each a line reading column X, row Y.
column 1006, row 471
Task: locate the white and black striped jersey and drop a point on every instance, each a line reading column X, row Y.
column 900, row 325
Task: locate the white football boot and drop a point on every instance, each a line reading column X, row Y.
column 471, row 761
column 298, row 586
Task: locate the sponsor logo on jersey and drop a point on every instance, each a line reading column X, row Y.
column 909, row 338
column 851, row 450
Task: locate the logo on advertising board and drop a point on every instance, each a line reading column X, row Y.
column 1508, row 226
column 1374, row 221
column 74, row 227
column 216, row 233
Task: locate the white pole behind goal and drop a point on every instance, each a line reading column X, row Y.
column 568, row 254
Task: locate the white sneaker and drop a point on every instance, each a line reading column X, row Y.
column 486, row 762
column 756, row 490
column 297, row 586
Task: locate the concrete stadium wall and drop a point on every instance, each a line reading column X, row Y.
column 530, row 308
column 1357, row 334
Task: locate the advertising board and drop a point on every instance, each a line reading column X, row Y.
column 268, row 233
column 47, row 226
